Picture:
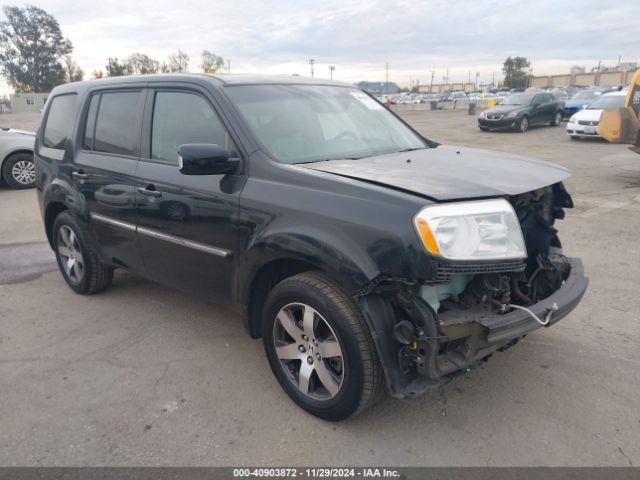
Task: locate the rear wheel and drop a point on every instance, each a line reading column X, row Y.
column 319, row 348
column 556, row 119
column 523, row 124
column 78, row 263
column 19, row 171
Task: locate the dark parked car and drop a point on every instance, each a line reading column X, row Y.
column 361, row 252
column 522, row 110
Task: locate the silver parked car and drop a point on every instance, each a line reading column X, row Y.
column 16, row 158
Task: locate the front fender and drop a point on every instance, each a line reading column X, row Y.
column 335, row 254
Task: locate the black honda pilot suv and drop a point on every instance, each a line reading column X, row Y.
column 361, row 252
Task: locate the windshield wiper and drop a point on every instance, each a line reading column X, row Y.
column 411, row 149
column 327, row 160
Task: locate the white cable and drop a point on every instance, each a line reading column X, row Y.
column 546, row 320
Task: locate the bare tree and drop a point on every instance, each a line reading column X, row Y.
column 142, row 64
column 72, row 72
column 211, row 62
column 178, row 62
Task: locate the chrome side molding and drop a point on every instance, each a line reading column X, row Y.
column 219, row 252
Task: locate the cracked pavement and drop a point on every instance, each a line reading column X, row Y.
column 142, row 375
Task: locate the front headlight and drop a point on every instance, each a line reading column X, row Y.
column 512, row 114
column 483, row 114
column 573, row 119
column 481, row 230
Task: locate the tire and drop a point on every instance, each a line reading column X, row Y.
column 574, row 137
column 523, row 124
column 78, row 263
column 19, row 172
column 557, row 119
column 337, row 386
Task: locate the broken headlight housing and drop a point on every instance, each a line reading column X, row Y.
column 479, row 230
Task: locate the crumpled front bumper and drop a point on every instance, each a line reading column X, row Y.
column 519, row 323
column 479, row 335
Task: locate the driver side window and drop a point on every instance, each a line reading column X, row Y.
column 184, row 117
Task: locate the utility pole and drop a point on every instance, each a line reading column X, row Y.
column 433, row 72
column 386, row 87
column 311, row 62
column 493, row 79
column 331, row 69
column 228, row 65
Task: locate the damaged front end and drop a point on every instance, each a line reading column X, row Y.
column 452, row 320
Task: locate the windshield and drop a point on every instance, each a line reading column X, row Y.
column 309, row 123
column 586, row 95
column 517, row 99
column 607, row 101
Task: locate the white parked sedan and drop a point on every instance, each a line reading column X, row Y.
column 16, row 158
column 584, row 123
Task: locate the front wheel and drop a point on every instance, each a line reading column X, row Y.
column 319, row 347
column 523, row 124
column 556, row 119
column 19, row 171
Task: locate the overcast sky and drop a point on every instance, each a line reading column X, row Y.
column 358, row 37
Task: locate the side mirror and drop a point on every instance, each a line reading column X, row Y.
column 205, row 159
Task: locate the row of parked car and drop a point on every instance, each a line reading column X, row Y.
column 520, row 111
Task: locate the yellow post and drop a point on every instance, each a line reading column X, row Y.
column 491, row 102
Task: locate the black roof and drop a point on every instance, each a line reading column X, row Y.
column 220, row 80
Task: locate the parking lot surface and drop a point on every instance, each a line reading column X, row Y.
column 142, row 375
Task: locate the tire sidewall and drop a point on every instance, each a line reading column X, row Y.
column 66, row 219
column 7, row 168
column 348, row 398
column 520, row 123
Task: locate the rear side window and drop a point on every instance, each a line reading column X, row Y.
column 180, row 118
column 113, row 123
column 60, row 120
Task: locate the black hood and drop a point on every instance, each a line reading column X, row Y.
column 450, row 173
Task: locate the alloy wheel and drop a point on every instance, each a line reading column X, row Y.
column 70, row 254
column 308, row 350
column 24, row 172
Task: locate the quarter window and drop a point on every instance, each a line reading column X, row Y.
column 60, row 121
column 117, row 126
column 180, row 118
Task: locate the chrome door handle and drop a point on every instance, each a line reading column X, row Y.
column 80, row 175
column 148, row 192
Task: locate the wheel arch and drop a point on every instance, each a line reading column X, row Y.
column 52, row 211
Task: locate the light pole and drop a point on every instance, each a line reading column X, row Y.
column 386, row 86
column 331, row 69
column 311, row 62
column 228, row 65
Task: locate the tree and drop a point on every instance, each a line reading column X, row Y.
column 178, row 62
column 515, row 72
column 98, row 74
column 73, row 73
column 31, row 49
column 115, row 68
column 141, row 64
column 211, row 62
